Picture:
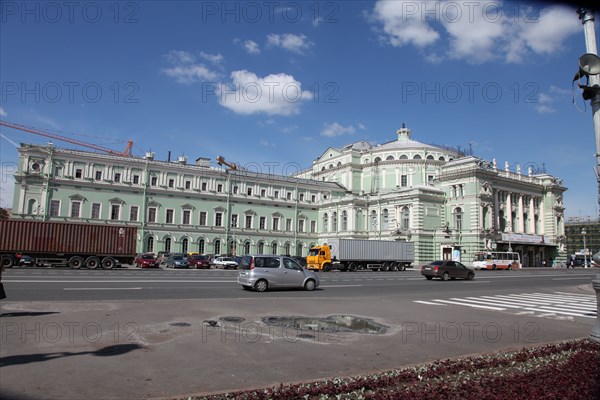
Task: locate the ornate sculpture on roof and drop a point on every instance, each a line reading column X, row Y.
column 403, row 133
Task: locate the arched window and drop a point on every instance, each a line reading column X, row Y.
column 405, row 218
column 201, row 246
column 458, row 217
column 417, row 157
column 247, row 248
column 344, row 220
column 330, row 166
column 385, row 219
column 403, row 157
column 442, row 158
column 232, row 247
column 323, row 168
column 373, row 221
column 274, row 248
column 325, row 222
column 339, row 164
column 299, row 247
column 288, row 249
column 184, row 245
column 334, row 227
column 389, row 158
column 150, row 244
column 377, row 159
column 168, row 245
column 261, row 247
column 217, row 246
column 430, row 157
column 367, row 160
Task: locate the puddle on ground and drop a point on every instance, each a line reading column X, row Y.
column 333, row 323
column 236, row 320
column 180, row 324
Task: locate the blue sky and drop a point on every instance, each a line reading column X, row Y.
column 277, row 83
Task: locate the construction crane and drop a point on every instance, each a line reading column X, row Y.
column 126, row 152
column 221, row 161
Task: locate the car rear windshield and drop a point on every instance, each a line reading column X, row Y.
column 437, row 263
column 148, row 257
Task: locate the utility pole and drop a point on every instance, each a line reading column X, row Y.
column 589, row 65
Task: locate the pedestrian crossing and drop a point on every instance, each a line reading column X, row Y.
column 535, row 304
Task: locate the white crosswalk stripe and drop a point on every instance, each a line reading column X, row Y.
column 540, row 304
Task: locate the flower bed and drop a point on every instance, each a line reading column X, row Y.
column 564, row 370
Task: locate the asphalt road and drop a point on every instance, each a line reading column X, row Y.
column 129, row 334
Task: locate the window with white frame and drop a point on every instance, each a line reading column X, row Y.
column 248, row 222
column 54, row 208
column 188, row 185
column 203, row 186
column 201, row 245
column 249, row 191
column 98, row 175
column 169, row 216
column 136, row 179
column 301, row 225
column 96, row 210
column 344, row 220
column 313, row 226
column 275, row 225
column 117, row 178
column 234, row 220
column 202, row 221
column 404, row 180
column 262, row 223
column 325, row 223
column 75, row 209
column 151, row 214
column 220, row 188
column 385, row 219
column 458, row 218
column 218, row 219
column 186, row 217
column 153, row 181
column 373, row 221
column 115, row 212
column 405, row 216
column 334, row 221
column 133, row 213
column 78, row 173
column 171, row 183
column 288, row 224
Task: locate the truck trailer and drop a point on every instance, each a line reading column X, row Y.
column 66, row 243
column 357, row 254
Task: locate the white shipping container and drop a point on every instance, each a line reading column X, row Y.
column 371, row 250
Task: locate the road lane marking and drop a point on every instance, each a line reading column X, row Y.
column 471, row 305
column 123, row 288
column 429, row 303
column 330, row 286
column 118, row 281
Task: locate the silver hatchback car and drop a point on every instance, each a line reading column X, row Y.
column 261, row 272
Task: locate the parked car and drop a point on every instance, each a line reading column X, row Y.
column 261, row 272
column 26, row 261
column 446, row 269
column 162, row 256
column 198, row 261
column 225, row 263
column 177, row 261
column 145, row 260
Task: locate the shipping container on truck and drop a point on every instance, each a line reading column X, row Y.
column 72, row 244
column 356, row 254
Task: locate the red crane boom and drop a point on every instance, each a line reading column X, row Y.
column 126, row 152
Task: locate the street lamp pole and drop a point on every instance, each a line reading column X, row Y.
column 583, row 232
column 587, row 19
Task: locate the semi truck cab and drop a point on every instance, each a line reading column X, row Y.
column 319, row 258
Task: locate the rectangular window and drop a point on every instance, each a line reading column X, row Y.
column 75, row 208
column 288, row 224
column 220, row 188
column 234, row 220
column 153, row 181
column 263, row 192
column 171, row 183
column 151, row 214
column 262, row 223
column 276, row 194
column 248, row 221
column 188, row 185
column 313, row 198
column 430, row 179
column 275, row 226
column 54, row 208
column 117, row 177
column 95, row 210
column 288, row 195
column 98, row 175
column 301, row 196
column 203, row 186
column 219, row 219
column 133, row 213
column 235, row 189
column 202, row 218
column 78, row 173
column 186, row 217
column 301, row 225
column 249, row 191
column 115, row 212
column 404, row 180
column 136, row 179
column 169, row 217
column 58, row 171
column 313, row 226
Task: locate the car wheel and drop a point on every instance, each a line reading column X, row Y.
column 261, row 286
column 446, row 276
column 470, row 276
column 429, row 278
column 310, row 285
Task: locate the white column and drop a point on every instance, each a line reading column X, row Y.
column 521, row 221
column 542, row 217
column 508, row 213
column 496, row 210
column 532, row 216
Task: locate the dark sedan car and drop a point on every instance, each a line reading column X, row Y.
column 446, row 269
column 198, row 261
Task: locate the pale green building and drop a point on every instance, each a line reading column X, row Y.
column 449, row 203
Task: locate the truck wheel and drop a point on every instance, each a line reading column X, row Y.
column 7, row 261
column 327, row 267
column 353, row 267
column 92, row 262
column 75, row 262
column 401, row 267
column 385, row 266
column 108, row 263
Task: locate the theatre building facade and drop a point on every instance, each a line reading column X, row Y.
column 450, row 204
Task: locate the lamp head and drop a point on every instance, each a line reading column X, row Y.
column 589, row 64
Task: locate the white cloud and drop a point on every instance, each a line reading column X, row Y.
column 546, row 101
column 275, row 94
column 7, row 183
column 335, row 129
column 186, row 70
column 251, row 47
column 2, row 112
column 289, row 41
column 477, row 32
